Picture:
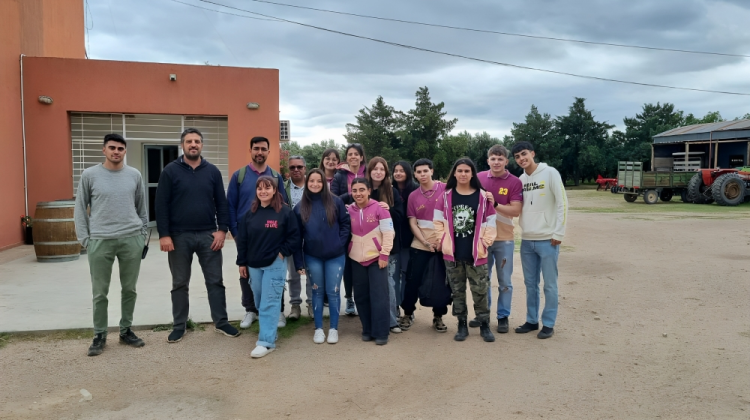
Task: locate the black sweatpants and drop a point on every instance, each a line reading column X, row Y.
column 370, row 286
column 418, row 261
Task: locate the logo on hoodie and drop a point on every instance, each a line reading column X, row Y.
column 273, row 224
column 531, row 186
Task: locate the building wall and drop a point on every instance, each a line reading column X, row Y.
column 34, row 28
column 143, row 88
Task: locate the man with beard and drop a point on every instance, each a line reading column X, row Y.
column 192, row 218
column 240, row 196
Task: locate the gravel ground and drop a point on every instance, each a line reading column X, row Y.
column 654, row 322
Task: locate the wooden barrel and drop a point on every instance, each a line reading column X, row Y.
column 55, row 232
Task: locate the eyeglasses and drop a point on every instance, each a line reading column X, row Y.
column 296, row 168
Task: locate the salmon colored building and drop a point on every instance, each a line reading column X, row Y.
column 56, row 106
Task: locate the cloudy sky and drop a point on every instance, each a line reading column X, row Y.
column 326, row 78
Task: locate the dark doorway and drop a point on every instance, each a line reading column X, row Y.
column 157, row 157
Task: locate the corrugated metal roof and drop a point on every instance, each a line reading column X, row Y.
column 725, row 130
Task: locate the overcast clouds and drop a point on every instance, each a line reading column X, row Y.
column 326, row 78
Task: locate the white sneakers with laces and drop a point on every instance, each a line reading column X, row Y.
column 249, row 318
column 282, row 320
column 319, row 336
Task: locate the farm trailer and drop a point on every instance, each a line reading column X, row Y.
column 633, row 181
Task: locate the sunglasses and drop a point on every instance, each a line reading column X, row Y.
column 296, row 168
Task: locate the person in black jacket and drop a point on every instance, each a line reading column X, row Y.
column 341, row 186
column 325, row 227
column 268, row 234
column 403, row 180
column 190, row 203
column 390, row 199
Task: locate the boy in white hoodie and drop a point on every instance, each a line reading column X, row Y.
column 543, row 218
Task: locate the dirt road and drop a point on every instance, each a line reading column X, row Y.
column 654, row 322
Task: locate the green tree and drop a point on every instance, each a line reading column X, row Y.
column 424, row 127
column 376, row 130
column 640, row 130
column 710, row 117
column 539, row 130
column 583, row 141
column 477, row 149
column 311, row 152
column 452, row 148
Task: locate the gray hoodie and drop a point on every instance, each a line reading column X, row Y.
column 545, row 205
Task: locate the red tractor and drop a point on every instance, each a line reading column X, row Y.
column 727, row 187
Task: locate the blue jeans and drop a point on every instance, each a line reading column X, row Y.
column 268, row 285
column 394, row 280
column 325, row 276
column 500, row 255
column 540, row 257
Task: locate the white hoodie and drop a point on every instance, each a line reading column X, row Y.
column 545, row 205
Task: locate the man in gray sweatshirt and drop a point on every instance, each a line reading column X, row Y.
column 115, row 228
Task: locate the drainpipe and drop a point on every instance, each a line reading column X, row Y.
column 710, row 149
column 23, row 135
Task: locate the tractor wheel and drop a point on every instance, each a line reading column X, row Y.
column 651, row 197
column 684, row 196
column 728, row 190
column 696, row 188
column 630, row 197
column 666, row 195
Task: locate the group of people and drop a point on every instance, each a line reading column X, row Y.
column 393, row 234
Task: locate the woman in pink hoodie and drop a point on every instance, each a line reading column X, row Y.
column 465, row 223
column 369, row 249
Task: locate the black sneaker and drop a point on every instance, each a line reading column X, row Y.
column 527, row 327
column 381, row 341
column 502, row 325
column 131, row 339
column 474, row 323
column 366, row 337
column 546, row 332
column 97, row 346
column 228, row 330
column 175, row 336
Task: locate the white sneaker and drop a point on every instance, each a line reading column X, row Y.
column 249, row 318
column 319, row 336
column 260, row 351
column 282, row 320
column 396, row 330
column 333, row 336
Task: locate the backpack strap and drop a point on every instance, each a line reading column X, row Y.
column 241, row 175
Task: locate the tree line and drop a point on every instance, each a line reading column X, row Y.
column 577, row 144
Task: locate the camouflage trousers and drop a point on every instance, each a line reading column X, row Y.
column 479, row 282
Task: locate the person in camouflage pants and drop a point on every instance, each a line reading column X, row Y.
column 465, row 221
column 458, row 273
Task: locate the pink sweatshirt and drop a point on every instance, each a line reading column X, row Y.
column 372, row 233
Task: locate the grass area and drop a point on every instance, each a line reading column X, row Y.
column 592, row 201
column 286, row 332
column 74, row 334
column 86, row 333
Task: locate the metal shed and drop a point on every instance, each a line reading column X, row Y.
column 717, row 145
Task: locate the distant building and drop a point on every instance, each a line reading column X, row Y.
column 54, row 130
column 717, row 145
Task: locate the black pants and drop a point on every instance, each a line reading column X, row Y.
column 180, row 261
column 373, row 302
column 418, row 261
column 348, row 278
column 248, row 299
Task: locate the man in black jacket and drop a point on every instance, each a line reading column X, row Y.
column 192, row 217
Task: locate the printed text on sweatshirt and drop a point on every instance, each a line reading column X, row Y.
column 545, row 205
